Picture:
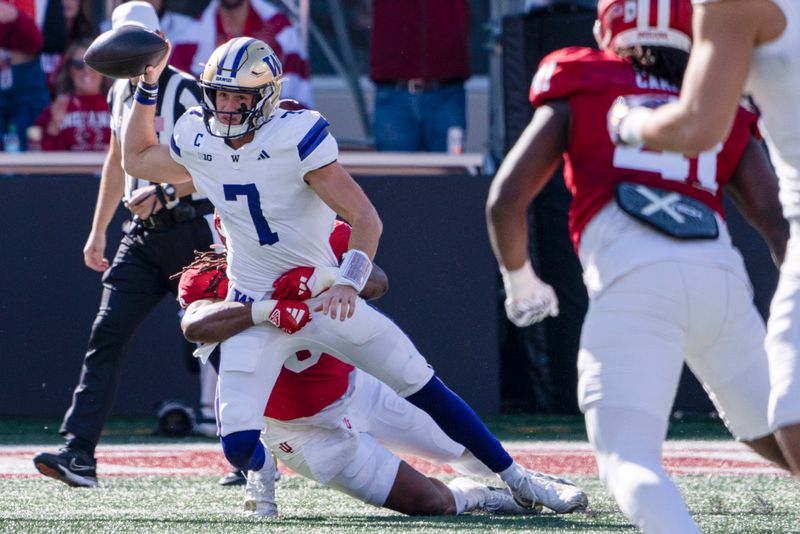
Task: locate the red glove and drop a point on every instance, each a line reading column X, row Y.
column 302, row 283
column 288, row 315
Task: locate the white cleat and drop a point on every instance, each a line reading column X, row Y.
column 499, row 501
column 259, row 492
column 558, row 494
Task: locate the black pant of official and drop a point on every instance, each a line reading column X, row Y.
column 134, row 284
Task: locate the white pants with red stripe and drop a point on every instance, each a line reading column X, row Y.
column 351, row 444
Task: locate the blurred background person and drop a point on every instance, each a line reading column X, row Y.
column 419, row 61
column 223, row 20
column 23, row 91
column 78, row 118
column 65, row 22
column 182, row 31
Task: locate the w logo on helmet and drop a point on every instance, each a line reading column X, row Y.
column 273, row 64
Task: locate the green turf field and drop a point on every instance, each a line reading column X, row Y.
column 177, row 504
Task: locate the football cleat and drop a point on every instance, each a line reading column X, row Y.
column 558, row 494
column 74, row 467
column 499, row 501
column 259, row 492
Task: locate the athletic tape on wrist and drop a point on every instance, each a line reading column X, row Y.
column 261, row 310
column 520, row 283
column 355, row 270
column 630, row 129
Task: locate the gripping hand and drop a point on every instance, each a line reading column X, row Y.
column 302, row 283
column 288, row 315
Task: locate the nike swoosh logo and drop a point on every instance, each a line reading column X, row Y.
column 76, row 467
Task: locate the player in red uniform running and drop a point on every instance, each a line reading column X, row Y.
column 328, row 421
column 664, row 281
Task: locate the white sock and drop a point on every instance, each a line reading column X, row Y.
column 511, row 473
column 627, row 444
column 468, row 494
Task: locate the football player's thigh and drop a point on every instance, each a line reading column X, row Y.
column 632, row 340
column 398, row 424
column 734, row 368
column 249, row 366
column 783, row 341
column 372, row 342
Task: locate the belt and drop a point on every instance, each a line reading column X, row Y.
column 183, row 211
column 419, row 85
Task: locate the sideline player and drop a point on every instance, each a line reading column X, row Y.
column 169, row 224
column 275, row 178
column 664, row 281
column 749, row 45
column 330, row 422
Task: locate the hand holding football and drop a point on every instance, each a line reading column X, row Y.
column 125, row 52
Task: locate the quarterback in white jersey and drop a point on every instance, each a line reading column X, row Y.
column 744, row 45
column 274, row 178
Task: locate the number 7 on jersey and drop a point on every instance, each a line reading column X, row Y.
column 232, row 191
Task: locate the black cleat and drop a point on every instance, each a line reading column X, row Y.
column 74, row 467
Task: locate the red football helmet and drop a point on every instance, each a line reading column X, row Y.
column 626, row 23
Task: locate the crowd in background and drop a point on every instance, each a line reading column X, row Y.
column 51, row 100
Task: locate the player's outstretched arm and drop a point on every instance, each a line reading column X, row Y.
column 142, row 155
column 526, row 169
column 212, row 320
column 337, row 189
column 725, row 34
column 754, row 189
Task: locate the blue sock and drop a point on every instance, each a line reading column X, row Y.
column 244, row 450
column 463, row 425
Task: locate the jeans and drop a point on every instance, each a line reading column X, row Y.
column 22, row 103
column 409, row 122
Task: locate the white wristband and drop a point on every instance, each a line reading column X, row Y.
column 630, row 129
column 261, row 310
column 355, row 270
column 520, row 283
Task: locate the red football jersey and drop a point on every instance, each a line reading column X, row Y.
column 590, row 80
column 311, row 382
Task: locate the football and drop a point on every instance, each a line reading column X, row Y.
column 125, row 52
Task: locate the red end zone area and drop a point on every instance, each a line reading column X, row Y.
column 562, row 458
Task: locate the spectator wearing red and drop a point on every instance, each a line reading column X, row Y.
column 23, row 91
column 79, row 118
column 419, row 61
column 225, row 19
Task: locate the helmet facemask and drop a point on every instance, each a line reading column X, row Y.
column 241, row 66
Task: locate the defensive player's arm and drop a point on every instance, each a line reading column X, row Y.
column 524, row 172
column 213, row 320
column 112, row 185
column 142, row 155
column 725, row 34
column 754, row 189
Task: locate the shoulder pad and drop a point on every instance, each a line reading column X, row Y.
column 574, row 70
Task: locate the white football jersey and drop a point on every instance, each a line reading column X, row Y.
column 273, row 219
column 775, row 85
